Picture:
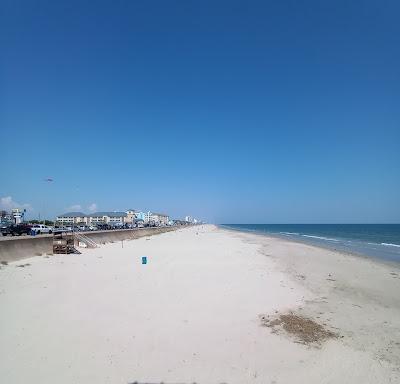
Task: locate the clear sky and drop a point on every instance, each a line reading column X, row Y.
column 230, row 111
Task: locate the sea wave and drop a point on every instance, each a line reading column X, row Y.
column 320, row 238
column 391, row 245
column 289, row 233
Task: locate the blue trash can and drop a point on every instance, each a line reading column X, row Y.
column 144, row 260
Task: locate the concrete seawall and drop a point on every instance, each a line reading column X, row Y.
column 17, row 248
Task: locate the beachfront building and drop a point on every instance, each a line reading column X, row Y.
column 18, row 215
column 163, row 219
column 139, row 215
column 117, row 217
column 71, row 218
column 147, row 217
column 130, row 216
column 107, row 217
column 133, row 215
column 156, row 218
column 189, row 219
column 97, row 218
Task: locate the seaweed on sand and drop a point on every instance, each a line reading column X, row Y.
column 306, row 330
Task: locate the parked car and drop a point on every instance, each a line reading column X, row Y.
column 60, row 229
column 138, row 223
column 4, row 227
column 41, row 228
column 92, row 228
column 16, row 229
column 117, row 225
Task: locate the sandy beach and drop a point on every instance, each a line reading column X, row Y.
column 196, row 312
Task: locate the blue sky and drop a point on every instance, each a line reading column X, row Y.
column 231, row 111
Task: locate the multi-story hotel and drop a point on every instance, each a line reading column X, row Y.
column 129, row 216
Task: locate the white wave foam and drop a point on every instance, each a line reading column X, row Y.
column 391, row 245
column 289, row 233
column 320, row 238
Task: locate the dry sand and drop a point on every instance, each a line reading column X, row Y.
column 195, row 313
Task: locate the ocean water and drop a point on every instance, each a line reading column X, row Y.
column 374, row 240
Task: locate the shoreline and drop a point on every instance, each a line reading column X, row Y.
column 195, row 313
column 326, row 247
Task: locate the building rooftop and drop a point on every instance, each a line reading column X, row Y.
column 110, row 214
column 73, row 214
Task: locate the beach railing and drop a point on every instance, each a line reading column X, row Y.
column 81, row 238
